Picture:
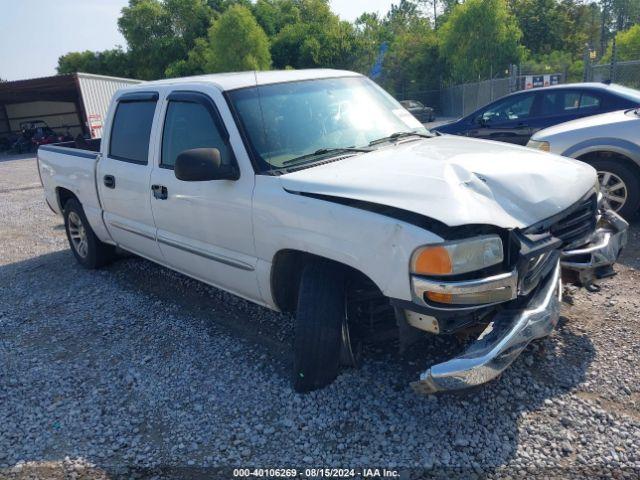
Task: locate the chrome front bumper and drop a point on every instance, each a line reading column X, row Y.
column 512, row 330
column 595, row 259
column 499, row 344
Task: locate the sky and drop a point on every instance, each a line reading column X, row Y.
column 34, row 33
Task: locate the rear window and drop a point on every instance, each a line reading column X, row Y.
column 131, row 131
column 567, row 102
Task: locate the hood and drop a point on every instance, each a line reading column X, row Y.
column 454, row 180
column 609, row 121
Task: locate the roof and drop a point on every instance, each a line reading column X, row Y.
column 61, row 88
column 235, row 80
column 571, row 86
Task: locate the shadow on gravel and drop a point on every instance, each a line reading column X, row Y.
column 136, row 365
column 631, row 254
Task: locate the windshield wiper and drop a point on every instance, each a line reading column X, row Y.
column 325, row 151
column 397, row 135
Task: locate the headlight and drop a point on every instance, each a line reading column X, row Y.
column 460, row 256
column 539, row 145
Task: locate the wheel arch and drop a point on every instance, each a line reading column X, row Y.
column 63, row 195
column 286, row 272
column 605, row 153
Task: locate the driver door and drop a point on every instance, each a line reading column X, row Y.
column 507, row 120
column 204, row 228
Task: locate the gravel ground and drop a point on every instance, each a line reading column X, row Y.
column 135, row 369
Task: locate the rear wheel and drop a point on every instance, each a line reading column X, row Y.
column 89, row 251
column 619, row 185
column 321, row 330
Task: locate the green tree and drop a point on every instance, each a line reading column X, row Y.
column 113, row 62
column 318, row 39
column 273, row 15
column 237, row 42
column 555, row 62
column 627, row 45
column 480, row 38
column 161, row 32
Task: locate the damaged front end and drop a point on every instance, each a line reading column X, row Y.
column 521, row 299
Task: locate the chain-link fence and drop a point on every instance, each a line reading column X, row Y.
column 460, row 100
column 623, row 73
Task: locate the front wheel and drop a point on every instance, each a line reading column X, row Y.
column 321, row 320
column 89, row 251
column 619, row 185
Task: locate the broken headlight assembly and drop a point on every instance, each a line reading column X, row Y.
column 435, row 267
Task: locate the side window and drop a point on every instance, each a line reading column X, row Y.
column 589, row 101
column 190, row 125
column 131, row 130
column 567, row 102
column 510, row 109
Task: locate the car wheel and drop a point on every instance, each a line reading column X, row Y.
column 321, row 329
column 619, row 185
column 89, row 251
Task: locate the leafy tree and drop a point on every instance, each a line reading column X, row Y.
column 160, row 32
column 113, row 62
column 318, row 39
column 627, row 45
column 555, row 62
column 237, row 42
column 479, row 38
column 273, row 15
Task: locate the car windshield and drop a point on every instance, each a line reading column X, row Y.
column 289, row 123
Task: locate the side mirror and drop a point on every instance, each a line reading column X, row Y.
column 203, row 164
column 480, row 120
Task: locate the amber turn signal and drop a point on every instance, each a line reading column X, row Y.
column 432, row 261
column 440, row 297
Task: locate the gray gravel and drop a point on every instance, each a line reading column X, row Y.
column 135, row 368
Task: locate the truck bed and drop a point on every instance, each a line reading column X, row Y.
column 64, row 168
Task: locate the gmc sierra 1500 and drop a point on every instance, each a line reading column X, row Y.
column 315, row 192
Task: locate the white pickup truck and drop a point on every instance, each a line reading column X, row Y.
column 315, row 192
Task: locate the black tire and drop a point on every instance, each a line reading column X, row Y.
column 318, row 326
column 629, row 177
column 97, row 253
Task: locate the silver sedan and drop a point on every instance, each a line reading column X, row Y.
column 611, row 144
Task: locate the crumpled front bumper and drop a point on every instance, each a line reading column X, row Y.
column 585, row 264
column 511, row 330
column 499, row 344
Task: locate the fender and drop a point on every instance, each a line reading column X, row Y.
column 376, row 245
column 616, row 145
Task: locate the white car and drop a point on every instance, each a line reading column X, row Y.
column 358, row 222
column 611, row 144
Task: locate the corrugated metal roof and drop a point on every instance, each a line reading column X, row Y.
column 54, row 88
column 96, row 92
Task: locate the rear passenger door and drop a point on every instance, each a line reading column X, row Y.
column 204, row 228
column 124, row 173
column 562, row 105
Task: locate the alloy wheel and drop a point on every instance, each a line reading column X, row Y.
column 78, row 235
column 613, row 189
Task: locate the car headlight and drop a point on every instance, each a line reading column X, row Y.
column 456, row 257
column 539, row 145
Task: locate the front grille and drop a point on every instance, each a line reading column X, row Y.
column 578, row 223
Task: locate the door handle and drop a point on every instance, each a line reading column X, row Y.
column 160, row 192
column 109, row 181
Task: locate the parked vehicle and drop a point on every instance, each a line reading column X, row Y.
column 359, row 225
column 35, row 133
column 610, row 143
column 516, row 117
column 418, row 110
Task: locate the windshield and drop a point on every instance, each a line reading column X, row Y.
column 287, row 121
